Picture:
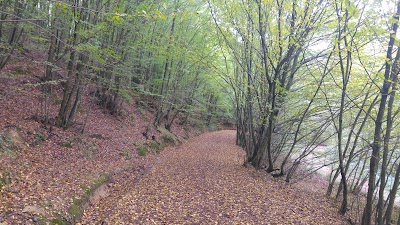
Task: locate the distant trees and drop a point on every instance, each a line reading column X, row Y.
column 116, row 48
column 306, row 77
column 268, row 42
column 11, row 28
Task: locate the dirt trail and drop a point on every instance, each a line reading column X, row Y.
column 203, row 182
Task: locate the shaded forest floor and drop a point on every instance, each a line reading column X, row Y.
column 49, row 175
column 46, row 173
column 204, row 182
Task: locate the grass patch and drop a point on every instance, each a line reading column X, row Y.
column 59, row 220
column 8, row 147
column 87, row 148
column 76, row 209
column 66, row 144
column 22, row 70
column 90, row 151
column 167, row 139
column 39, row 137
column 153, row 147
column 126, row 153
column 142, row 150
column 100, row 136
column 88, row 155
column 5, row 179
column 157, row 147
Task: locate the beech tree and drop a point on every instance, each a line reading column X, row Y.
column 273, row 48
column 336, row 58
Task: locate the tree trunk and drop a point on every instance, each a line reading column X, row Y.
column 376, row 145
column 389, row 124
column 392, row 196
column 14, row 35
column 159, row 113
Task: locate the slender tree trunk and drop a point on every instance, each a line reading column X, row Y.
column 361, row 179
column 271, row 124
column 392, row 196
column 14, row 35
column 62, row 114
column 62, row 117
column 389, row 125
column 376, row 145
column 159, row 113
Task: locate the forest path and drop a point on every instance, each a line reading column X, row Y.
column 203, row 182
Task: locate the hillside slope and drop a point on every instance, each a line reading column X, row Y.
column 44, row 170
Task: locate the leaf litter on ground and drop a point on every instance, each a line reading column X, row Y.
column 204, row 182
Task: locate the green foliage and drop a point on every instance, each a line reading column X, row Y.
column 8, row 147
column 126, row 95
column 59, row 220
column 142, row 150
column 157, row 147
column 100, row 136
column 90, row 150
column 153, row 146
column 168, row 139
column 126, row 153
column 66, row 144
column 75, row 211
column 39, row 137
column 5, row 179
column 22, row 70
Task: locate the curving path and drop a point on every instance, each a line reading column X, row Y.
column 203, row 182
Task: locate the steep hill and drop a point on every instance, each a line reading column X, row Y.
column 47, row 173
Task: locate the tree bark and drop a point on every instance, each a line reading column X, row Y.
column 376, row 145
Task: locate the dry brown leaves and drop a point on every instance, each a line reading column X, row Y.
column 55, row 167
column 204, row 182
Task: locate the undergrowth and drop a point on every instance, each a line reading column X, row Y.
column 75, row 211
column 7, row 147
column 142, row 150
